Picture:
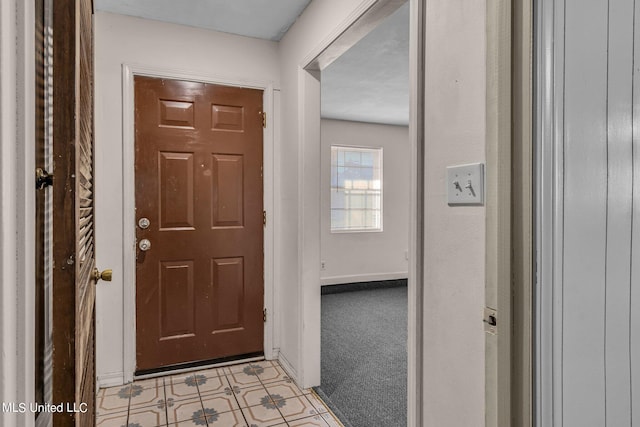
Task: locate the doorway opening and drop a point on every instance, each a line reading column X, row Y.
column 310, row 207
column 364, row 236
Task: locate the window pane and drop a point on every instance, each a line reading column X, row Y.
column 352, row 158
column 338, row 219
column 356, row 201
column 337, row 199
column 356, row 219
column 340, row 177
column 367, row 159
column 373, row 201
column 373, row 219
column 356, row 188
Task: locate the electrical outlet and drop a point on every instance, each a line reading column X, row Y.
column 322, row 265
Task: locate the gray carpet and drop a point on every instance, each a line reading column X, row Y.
column 364, row 356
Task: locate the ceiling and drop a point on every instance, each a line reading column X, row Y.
column 263, row 19
column 368, row 83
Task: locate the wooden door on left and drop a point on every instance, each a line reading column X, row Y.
column 73, row 219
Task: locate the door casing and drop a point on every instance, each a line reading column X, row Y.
column 128, row 195
column 509, row 213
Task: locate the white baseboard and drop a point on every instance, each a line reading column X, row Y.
column 110, row 380
column 288, row 368
column 356, row 278
column 275, row 354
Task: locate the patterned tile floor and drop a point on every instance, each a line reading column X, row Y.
column 256, row 394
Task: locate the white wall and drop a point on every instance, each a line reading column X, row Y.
column 453, row 393
column 360, row 257
column 127, row 40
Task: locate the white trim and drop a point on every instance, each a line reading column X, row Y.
column 309, row 61
column 288, row 368
column 415, row 289
column 17, row 271
column 128, row 194
column 356, row 278
column 110, row 380
column 309, row 228
column 17, row 222
column 548, row 148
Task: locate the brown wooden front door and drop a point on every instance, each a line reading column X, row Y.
column 198, row 166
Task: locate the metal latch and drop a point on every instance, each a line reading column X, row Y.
column 490, row 320
column 264, row 315
column 43, row 179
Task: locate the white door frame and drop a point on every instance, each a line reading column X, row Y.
column 549, row 173
column 129, row 71
column 17, row 219
column 366, row 15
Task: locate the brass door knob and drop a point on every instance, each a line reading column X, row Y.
column 106, row 275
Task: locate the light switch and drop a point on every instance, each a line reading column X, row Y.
column 465, row 184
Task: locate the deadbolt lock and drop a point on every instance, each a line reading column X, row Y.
column 144, row 223
column 106, row 275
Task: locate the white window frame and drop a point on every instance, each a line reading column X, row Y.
column 380, row 150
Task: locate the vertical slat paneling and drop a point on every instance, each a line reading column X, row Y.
column 64, row 244
column 585, row 201
column 634, row 297
column 85, row 293
column 597, row 247
column 620, row 76
column 73, row 290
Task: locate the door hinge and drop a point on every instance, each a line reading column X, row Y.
column 264, row 119
column 264, row 315
column 264, row 217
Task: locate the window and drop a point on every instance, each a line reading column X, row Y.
column 356, row 189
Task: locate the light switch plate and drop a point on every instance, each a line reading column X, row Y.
column 465, row 184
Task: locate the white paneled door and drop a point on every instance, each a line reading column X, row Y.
column 589, row 213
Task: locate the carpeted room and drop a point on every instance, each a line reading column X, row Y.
column 363, row 273
column 364, row 353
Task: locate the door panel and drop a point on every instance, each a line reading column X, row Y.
column 227, row 280
column 227, row 207
column 199, row 288
column 177, row 314
column 176, row 191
